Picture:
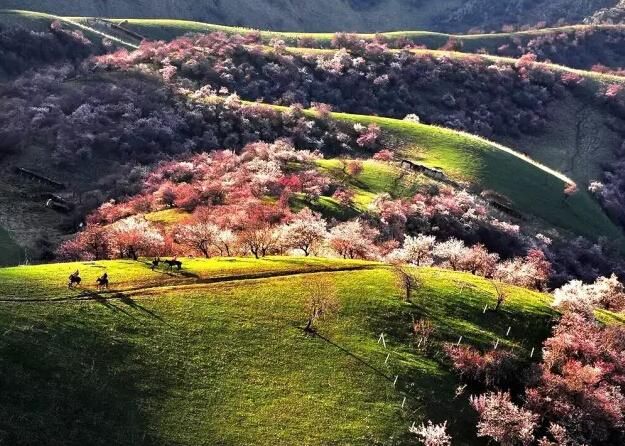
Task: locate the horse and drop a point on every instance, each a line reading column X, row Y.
column 103, row 282
column 173, row 263
column 74, row 279
column 155, row 263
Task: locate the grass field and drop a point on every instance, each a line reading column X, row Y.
column 533, row 188
column 376, row 178
column 180, row 360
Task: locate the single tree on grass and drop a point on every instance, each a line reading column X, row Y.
column 501, row 295
column 322, row 302
column 418, row 250
column 405, row 280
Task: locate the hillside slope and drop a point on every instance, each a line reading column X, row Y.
column 213, row 356
column 576, row 46
column 331, row 15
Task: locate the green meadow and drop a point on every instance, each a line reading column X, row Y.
column 216, row 354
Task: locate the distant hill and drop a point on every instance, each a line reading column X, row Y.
column 333, row 15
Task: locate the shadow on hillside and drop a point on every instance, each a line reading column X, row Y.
column 362, row 361
column 111, row 302
column 66, row 382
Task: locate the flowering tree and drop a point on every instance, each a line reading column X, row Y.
column 344, row 196
column 353, row 239
column 307, row 231
column 533, row 271
column 93, row 243
column 581, row 383
column 576, row 394
column 570, row 189
column 368, row 136
column 504, row 421
column 452, row 252
column 611, row 293
column 583, row 298
column 354, row 168
column 418, row 250
column 478, row 260
column 134, row 237
column 432, row 434
column 492, row 368
column 199, row 236
column 225, row 242
column 260, row 239
column 384, row 155
column 540, row 266
column 576, row 296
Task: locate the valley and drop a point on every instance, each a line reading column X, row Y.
column 359, row 222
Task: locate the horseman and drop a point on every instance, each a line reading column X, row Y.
column 103, row 281
column 74, row 279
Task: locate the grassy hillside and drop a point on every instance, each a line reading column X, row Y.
column 286, row 15
column 533, row 188
column 168, row 29
column 580, row 154
column 328, row 15
column 184, row 359
column 38, row 21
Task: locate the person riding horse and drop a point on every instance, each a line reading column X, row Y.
column 74, row 279
column 103, row 282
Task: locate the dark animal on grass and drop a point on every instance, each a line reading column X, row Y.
column 173, row 263
column 103, row 282
column 155, row 263
column 74, row 279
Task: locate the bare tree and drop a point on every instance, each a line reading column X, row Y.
column 406, row 281
column 501, row 295
column 322, row 301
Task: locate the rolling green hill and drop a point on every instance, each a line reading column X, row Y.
column 533, row 188
column 329, row 15
column 578, row 140
column 216, row 354
column 168, row 29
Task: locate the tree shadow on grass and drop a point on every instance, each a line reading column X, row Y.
column 67, row 382
column 365, row 363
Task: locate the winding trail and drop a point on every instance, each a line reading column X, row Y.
column 120, row 294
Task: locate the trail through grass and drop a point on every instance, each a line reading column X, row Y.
column 228, row 363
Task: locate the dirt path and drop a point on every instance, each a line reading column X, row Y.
column 120, row 294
